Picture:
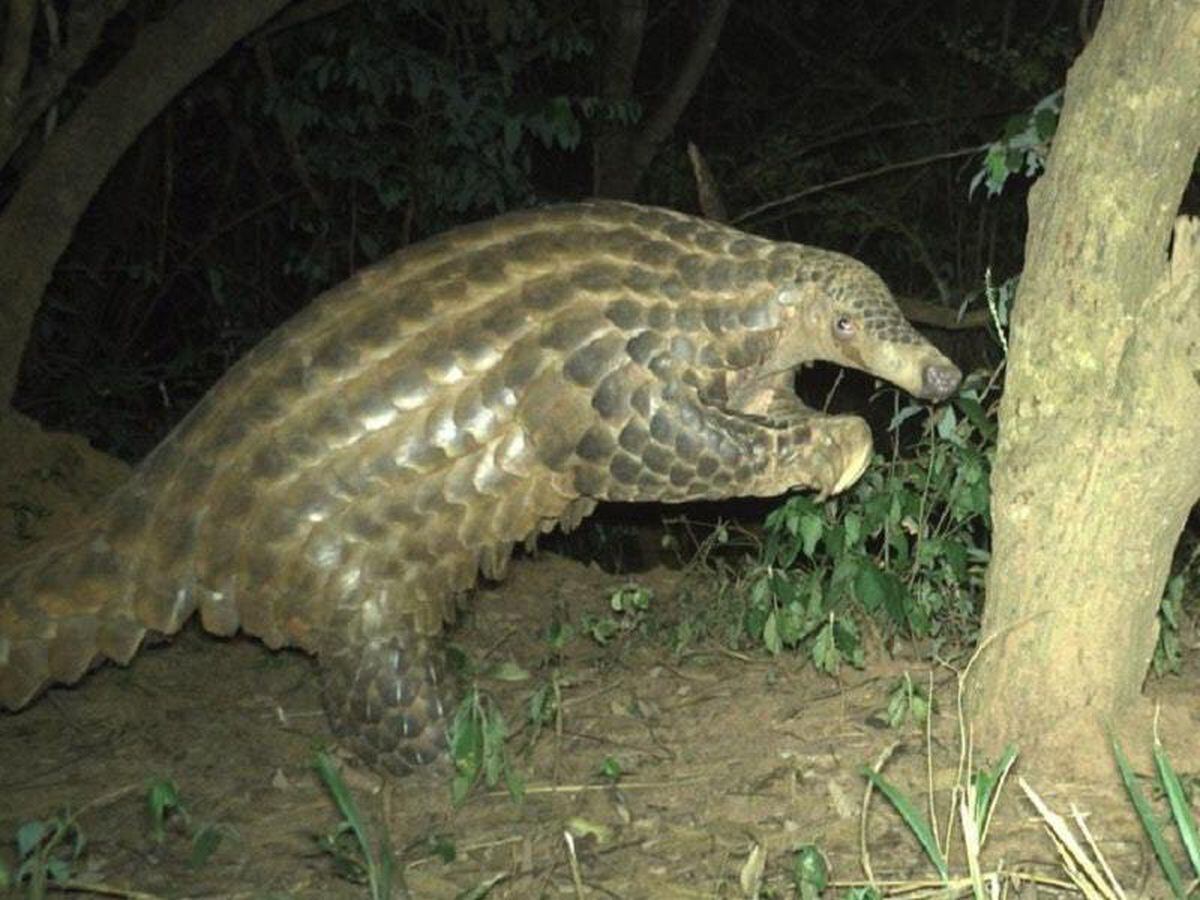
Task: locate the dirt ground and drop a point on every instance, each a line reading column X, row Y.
column 719, row 754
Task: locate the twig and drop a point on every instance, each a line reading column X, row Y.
column 756, row 211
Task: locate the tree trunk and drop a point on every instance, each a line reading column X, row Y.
column 1098, row 461
column 621, row 156
column 38, row 221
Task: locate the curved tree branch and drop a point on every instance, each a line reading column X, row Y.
column 37, row 224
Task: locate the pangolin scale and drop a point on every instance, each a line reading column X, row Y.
column 347, row 480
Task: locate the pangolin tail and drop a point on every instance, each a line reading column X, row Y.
column 66, row 609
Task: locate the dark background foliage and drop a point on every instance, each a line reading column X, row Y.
column 311, row 151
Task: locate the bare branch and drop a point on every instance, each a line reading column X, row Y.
column 712, row 203
column 262, row 56
column 85, row 23
column 922, row 312
column 756, row 211
column 13, row 64
column 663, row 119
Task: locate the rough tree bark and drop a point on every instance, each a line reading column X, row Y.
column 37, row 223
column 620, row 155
column 1099, row 450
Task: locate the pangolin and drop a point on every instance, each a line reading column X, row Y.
column 349, row 478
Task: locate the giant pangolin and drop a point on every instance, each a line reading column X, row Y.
column 348, row 479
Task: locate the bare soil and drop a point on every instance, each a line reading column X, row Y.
column 719, row 753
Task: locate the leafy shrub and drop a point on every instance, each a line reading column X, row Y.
column 904, row 549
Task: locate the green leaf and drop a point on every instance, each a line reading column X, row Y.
column 162, row 797
column 986, row 781
column 810, row 873
column 1181, row 810
column 849, row 644
column 514, row 783
column 904, row 414
column 790, row 624
column 912, row 818
column 467, row 742
column 845, row 571
column 460, row 786
column 581, row 828
column 1045, row 123
column 543, row 705
column 975, row 414
column 825, row 654
column 557, row 635
column 814, row 604
column 508, row 671
column 869, row 588
column 770, row 635
column 918, row 619
column 784, row 588
column 1149, row 823
column 29, row 837
column 947, row 423
column 443, row 848
column 205, row 842
column 494, row 734
column 834, row 540
column 812, row 526
column 955, row 555
column 877, row 589
column 852, row 525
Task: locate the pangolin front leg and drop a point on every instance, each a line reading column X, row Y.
column 387, row 689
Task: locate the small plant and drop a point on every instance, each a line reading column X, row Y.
column 545, row 703
column 1180, row 587
column 610, row 769
column 629, row 604
column 477, row 748
column 165, row 804
column 810, row 872
column 48, row 851
column 916, row 822
column 972, row 806
column 1168, row 656
column 905, row 548
column 908, row 702
column 349, row 844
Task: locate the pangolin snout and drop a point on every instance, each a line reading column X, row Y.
column 939, row 381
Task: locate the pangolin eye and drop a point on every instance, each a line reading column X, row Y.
column 844, row 327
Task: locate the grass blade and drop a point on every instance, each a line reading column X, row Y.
column 1149, row 824
column 1180, row 810
column 912, row 818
